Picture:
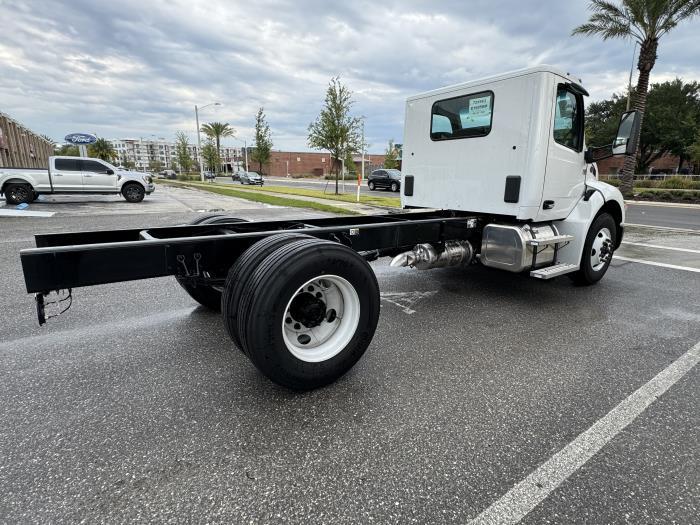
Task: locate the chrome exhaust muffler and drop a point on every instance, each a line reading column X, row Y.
column 427, row 256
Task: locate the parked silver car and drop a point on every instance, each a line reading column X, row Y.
column 251, row 177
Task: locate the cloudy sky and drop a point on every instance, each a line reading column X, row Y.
column 137, row 68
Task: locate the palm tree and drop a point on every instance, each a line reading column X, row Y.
column 645, row 21
column 102, row 149
column 217, row 130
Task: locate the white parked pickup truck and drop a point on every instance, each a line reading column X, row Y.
column 73, row 175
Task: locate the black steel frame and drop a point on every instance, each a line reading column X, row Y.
column 204, row 253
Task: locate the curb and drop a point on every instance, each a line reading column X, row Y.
column 663, row 204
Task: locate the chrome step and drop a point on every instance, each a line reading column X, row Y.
column 556, row 270
column 557, row 239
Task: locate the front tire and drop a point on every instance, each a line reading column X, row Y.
column 309, row 313
column 133, row 192
column 394, row 187
column 19, row 193
column 597, row 251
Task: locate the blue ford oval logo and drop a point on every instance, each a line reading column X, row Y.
column 81, row 138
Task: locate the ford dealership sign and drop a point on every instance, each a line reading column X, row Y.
column 81, row 139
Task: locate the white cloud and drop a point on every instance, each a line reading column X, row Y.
column 137, row 68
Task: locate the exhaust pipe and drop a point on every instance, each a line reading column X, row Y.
column 427, row 256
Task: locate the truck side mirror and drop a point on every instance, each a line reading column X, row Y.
column 627, row 133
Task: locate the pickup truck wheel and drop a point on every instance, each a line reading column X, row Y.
column 241, row 272
column 597, row 251
column 133, row 192
column 308, row 313
column 207, row 296
column 394, row 187
column 18, row 193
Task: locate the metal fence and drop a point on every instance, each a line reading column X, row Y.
column 20, row 147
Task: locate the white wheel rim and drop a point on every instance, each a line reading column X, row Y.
column 601, row 250
column 321, row 318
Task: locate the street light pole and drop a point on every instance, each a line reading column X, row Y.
column 629, row 84
column 199, row 140
column 361, row 176
column 245, row 146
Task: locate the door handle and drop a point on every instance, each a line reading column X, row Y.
column 87, row 175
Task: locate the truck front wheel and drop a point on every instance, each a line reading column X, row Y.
column 19, row 193
column 308, row 313
column 133, row 192
column 597, row 250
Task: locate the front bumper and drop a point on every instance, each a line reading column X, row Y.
column 150, row 188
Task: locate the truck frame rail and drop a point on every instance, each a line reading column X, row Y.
column 205, row 252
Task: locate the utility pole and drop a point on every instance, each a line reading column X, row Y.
column 361, row 175
column 199, row 145
column 245, row 145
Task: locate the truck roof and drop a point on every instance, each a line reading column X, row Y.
column 542, row 68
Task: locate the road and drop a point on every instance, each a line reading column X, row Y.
column 687, row 217
column 135, row 406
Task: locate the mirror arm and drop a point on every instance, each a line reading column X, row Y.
column 594, row 154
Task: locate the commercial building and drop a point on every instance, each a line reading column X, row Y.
column 20, row 147
column 310, row 164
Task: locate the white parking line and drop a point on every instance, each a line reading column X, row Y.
column 654, row 263
column 661, row 247
column 515, row 504
column 662, row 228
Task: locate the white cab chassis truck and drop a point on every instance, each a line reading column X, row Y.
column 495, row 172
column 73, row 175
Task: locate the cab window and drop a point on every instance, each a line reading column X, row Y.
column 93, row 166
column 568, row 119
column 462, row 117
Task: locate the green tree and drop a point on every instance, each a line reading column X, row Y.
column 210, row 155
column 670, row 126
column 645, row 21
column 102, row 149
column 694, row 153
column 68, row 150
column 182, row 152
column 155, row 166
column 263, row 141
column 334, row 129
column 391, row 156
column 216, row 131
column 350, row 163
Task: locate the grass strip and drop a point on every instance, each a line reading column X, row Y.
column 262, row 197
column 371, row 200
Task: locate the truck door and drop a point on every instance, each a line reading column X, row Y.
column 66, row 175
column 564, row 178
column 97, row 176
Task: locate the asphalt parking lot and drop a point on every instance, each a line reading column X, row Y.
column 134, row 405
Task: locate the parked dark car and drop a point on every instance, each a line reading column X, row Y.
column 236, row 176
column 251, row 177
column 209, row 175
column 385, row 178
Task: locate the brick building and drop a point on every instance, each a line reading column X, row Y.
column 666, row 164
column 305, row 163
column 20, row 147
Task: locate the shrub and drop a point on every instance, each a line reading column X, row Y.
column 348, row 176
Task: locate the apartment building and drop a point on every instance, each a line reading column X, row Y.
column 142, row 154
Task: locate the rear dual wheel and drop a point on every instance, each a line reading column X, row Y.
column 306, row 314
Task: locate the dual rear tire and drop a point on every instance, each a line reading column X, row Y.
column 306, row 313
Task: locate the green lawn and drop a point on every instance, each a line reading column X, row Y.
column 372, row 200
column 260, row 197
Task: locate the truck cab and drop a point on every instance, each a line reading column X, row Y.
column 511, row 147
